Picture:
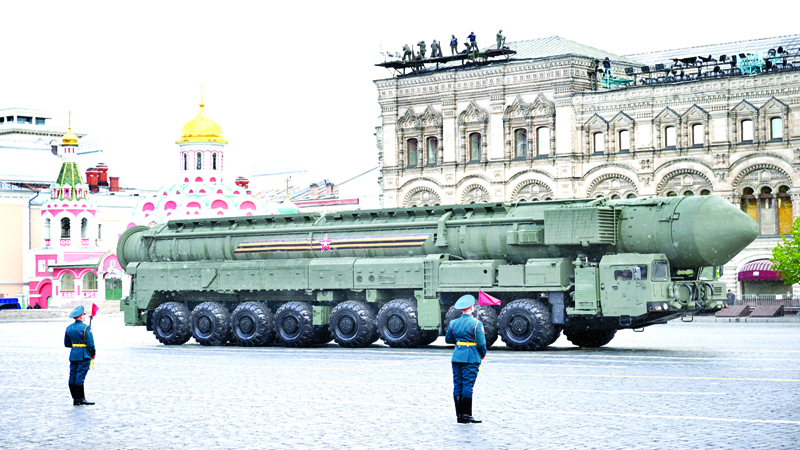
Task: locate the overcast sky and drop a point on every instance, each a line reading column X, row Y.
column 293, row 81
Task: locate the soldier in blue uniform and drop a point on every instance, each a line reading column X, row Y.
column 467, row 333
column 79, row 338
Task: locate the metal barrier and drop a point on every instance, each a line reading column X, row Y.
column 788, row 301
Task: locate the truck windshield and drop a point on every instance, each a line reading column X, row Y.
column 707, row 273
column 660, row 271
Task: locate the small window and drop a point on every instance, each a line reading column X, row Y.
column 46, row 229
column 599, row 142
column 185, row 162
column 624, row 141
column 660, row 271
column 199, row 160
column 475, row 147
column 623, row 275
column 433, row 150
column 39, row 121
column 698, row 134
column 520, row 143
column 67, row 282
column 84, row 226
column 542, row 141
column 688, row 194
column 412, row 152
column 670, row 137
column 65, row 228
column 776, row 128
column 213, row 161
column 90, row 282
column 99, row 231
column 747, row 131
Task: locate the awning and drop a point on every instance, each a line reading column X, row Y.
column 760, row 270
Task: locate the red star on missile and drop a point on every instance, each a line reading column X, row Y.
column 325, row 243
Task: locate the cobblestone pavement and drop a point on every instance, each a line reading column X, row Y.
column 676, row 386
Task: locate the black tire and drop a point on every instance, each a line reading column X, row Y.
column 590, row 338
column 171, row 323
column 353, row 324
column 485, row 314
column 211, row 324
column 525, row 325
column 252, row 325
column 397, row 324
column 428, row 337
column 294, row 325
column 556, row 335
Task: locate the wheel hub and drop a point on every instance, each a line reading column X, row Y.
column 290, row 325
column 395, row 324
column 246, row 324
column 347, row 325
column 204, row 324
column 165, row 324
column 520, row 326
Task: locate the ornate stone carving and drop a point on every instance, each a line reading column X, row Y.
column 475, row 194
column 531, row 191
column 682, row 181
column 421, row 196
column 610, row 185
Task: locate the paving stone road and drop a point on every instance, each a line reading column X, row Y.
column 676, row 386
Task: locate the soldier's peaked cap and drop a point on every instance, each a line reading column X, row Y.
column 76, row 312
column 465, row 302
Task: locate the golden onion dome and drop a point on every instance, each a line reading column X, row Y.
column 201, row 129
column 69, row 138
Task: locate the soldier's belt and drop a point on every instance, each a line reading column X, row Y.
column 468, row 344
column 79, row 345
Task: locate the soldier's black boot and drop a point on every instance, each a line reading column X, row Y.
column 459, row 414
column 82, row 396
column 466, row 410
column 74, row 395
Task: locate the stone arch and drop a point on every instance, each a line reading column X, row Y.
column 761, row 172
column 612, row 183
column 421, row 196
column 531, row 190
column 474, row 114
column 475, row 193
column 471, row 178
column 683, row 180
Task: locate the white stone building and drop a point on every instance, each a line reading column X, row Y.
column 539, row 126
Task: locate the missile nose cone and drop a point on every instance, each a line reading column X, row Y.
column 719, row 230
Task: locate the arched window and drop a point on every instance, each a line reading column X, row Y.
column 475, row 147
column 520, row 143
column 776, row 128
column 199, row 160
column 84, row 227
column 65, row 228
column 698, row 134
column 784, row 210
column 705, row 192
column 411, row 146
column 99, row 231
column 433, row 150
column 671, row 194
column 772, row 212
column 624, row 140
column 598, row 143
column 67, row 282
column 747, row 130
column 185, row 162
column 670, row 137
column 214, row 161
column 542, row 141
column 688, row 194
column 631, row 195
column 90, row 282
column 749, row 203
column 46, row 229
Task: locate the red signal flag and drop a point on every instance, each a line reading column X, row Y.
column 486, row 299
column 94, row 309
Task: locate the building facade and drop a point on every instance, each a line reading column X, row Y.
column 537, row 127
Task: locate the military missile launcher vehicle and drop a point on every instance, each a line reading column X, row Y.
column 586, row 268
